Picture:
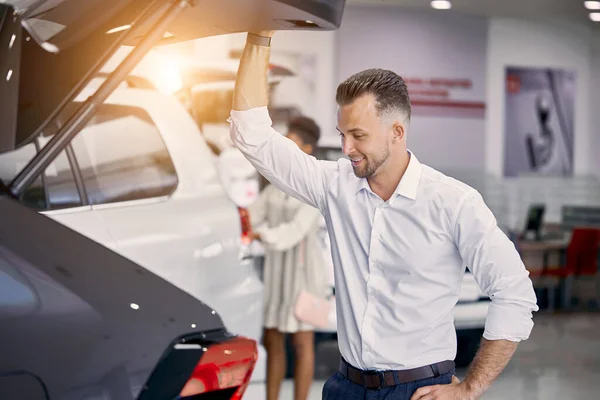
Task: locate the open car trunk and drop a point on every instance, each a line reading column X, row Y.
column 57, row 44
column 75, row 316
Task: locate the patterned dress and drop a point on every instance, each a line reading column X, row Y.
column 293, row 256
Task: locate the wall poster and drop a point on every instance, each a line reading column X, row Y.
column 539, row 115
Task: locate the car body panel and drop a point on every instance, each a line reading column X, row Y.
column 192, row 237
column 60, row 22
column 471, row 315
column 73, row 37
column 68, row 316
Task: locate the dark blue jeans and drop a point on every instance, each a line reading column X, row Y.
column 339, row 388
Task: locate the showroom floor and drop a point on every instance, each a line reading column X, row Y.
column 561, row 360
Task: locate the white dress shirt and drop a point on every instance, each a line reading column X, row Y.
column 398, row 263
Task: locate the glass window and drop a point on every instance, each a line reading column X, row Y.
column 122, row 156
column 35, row 196
column 60, row 190
column 11, row 163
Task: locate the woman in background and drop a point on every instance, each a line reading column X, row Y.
column 293, row 262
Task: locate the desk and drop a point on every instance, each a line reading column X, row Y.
column 545, row 248
column 529, row 249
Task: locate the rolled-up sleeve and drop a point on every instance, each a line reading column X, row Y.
column 279, row 159
column 497, row 268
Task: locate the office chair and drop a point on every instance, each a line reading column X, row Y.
column 581, row 259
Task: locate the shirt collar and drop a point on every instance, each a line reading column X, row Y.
column 408, row 184
column 410, row 180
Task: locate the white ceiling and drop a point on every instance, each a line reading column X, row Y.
column 565, row 10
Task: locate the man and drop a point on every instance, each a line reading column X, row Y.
column 401, row 236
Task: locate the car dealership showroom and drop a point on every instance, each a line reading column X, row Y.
column 299, row 199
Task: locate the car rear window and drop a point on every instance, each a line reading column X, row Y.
column 55, row 189
column 122, row 157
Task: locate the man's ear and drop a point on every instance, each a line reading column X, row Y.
column 398, row 131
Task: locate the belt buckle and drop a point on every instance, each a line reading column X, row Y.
column 373, row 379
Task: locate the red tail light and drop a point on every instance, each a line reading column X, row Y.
column 226, row 365
column 246, row 226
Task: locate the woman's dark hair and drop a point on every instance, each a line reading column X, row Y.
column 305, row 128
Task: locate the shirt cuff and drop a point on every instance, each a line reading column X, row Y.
column 493, row 336
column 508, row 322
column 252, row 127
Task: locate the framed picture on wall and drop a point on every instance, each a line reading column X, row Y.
column 539, row 115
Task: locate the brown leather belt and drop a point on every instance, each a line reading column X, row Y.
column 381, row 379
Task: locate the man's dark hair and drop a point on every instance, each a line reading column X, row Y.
column 389, row 89
column 306, row 128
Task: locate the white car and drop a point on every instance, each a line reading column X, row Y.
column 140, row 179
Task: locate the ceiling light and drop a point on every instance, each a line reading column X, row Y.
column 441, row 4
column 592, row 5
column 8, row 75
column 134, row 306
column 118, row 29
column 595, row 16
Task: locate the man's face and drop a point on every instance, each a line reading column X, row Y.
column 365, row 139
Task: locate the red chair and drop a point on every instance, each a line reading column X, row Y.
column 586, row 249
column 581, row 260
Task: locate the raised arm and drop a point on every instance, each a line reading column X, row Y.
column 251, row 89
column 277, row 158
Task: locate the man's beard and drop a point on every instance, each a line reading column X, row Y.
column 372, row 164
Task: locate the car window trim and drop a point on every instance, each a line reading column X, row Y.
column 132, row 203
column 78, row 184
column 70, row 210
column 42, row 175
column 77, row 175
